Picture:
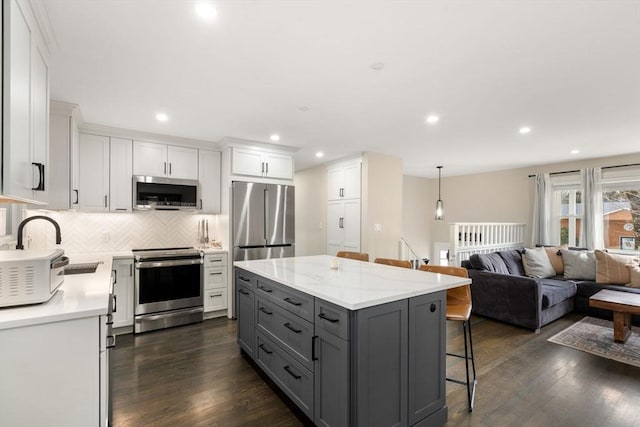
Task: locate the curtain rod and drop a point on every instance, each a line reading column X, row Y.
column 604, row 167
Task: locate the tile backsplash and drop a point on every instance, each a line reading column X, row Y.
column 105, row 232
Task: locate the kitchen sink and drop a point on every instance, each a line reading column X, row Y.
column 84, row 268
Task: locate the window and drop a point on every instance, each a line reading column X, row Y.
column 621, row 209
column 566, row 208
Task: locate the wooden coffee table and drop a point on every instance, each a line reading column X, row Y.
column 623, row 305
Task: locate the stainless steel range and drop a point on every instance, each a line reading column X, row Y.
column 168, row 288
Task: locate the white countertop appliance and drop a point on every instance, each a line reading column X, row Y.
column 31, row 276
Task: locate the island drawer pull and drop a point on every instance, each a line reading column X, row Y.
column 265, row 311
column 290, row 301
column 262, row 288
column 328, row 319
column 293, row 374
column 291, row 328
column 243, row 292
column 244, row 279
column 265, row 349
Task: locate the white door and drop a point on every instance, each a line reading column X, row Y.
column 351, row 225
column 245, row 161
column 335, row 232
column 278, row 165
column 123, row 290
column 183, row 162
column 93, row 194
column 335, row 183
column 149, row 159
column 18, row 173
column 209, row 177
column 352, row 181
column 120, row 175
column 40, row 122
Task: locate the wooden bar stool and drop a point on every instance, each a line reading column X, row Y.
column 459, row 309
column 393, row 262
column 360, row 256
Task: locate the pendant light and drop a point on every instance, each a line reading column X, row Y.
column 439, row 205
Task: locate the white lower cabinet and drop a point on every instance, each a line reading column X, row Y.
column 55, row 372
column 215, row 282
column 123, row 291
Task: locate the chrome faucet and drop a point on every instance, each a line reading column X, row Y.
column 31, row 218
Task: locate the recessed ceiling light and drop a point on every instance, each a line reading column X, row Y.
column 275, row 137
column 377, row 66
column 432, row 119
column 205, row 10
column 162, row 117
column 303, row 108
column 319, row 154
column 575, row 151
column 524, row 130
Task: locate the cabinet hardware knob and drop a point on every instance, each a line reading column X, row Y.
column 432, row 307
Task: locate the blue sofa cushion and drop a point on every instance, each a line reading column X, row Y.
column 555, row 291
column 492, row 262
column 513, row 260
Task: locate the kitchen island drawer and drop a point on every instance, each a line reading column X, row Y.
column 332, row 318
column 215, row 260
column 292, row 300
column 290, row 331
column 245, row 278
column 293, row 378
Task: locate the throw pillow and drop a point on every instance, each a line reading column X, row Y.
column 579, row 265
column 488, row 262
column 612, row 269
column 513, row 260
column 536, row 263
column 634, row 276
column 556, row 259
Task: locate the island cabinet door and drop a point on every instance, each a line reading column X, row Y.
column 245, row 298
column 379, row 357
column 427, row 349
column 331, row 380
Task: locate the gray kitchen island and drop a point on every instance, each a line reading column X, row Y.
column 358, row 345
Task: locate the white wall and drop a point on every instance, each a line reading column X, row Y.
column 381, row 204
column 311, row 211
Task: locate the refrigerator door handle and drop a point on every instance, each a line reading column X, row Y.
column 266, row 215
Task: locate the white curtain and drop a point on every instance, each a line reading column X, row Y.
column 592, row 219
column 541, row 234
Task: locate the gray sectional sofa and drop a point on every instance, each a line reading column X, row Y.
column 500, row 290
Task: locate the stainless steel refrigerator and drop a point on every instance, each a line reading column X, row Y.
column 263, row 220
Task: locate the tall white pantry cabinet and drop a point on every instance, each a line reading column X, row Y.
column 25, row 124
column 343, row 207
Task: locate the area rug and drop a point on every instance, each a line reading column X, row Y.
column 595, row 336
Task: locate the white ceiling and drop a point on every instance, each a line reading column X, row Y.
column 568, row 69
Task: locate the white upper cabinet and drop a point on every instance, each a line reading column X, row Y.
column 261, row 163
column 26, row 99
column 63, row 155
column 343, row 181
column 209, row 178
column 93, row 173
column 162, row 160
column 120, row 175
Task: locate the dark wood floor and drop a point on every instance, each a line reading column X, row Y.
column 195, row 376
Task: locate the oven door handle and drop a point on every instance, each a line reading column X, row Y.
column 168, row 263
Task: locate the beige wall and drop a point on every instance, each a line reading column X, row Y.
column 502, row 196
column 417, row 213
column 311, row 211
column 381, row 204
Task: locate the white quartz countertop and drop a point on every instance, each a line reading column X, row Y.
column 81, row 295
column 355, row 284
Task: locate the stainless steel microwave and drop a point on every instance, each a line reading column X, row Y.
column 169, row 194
